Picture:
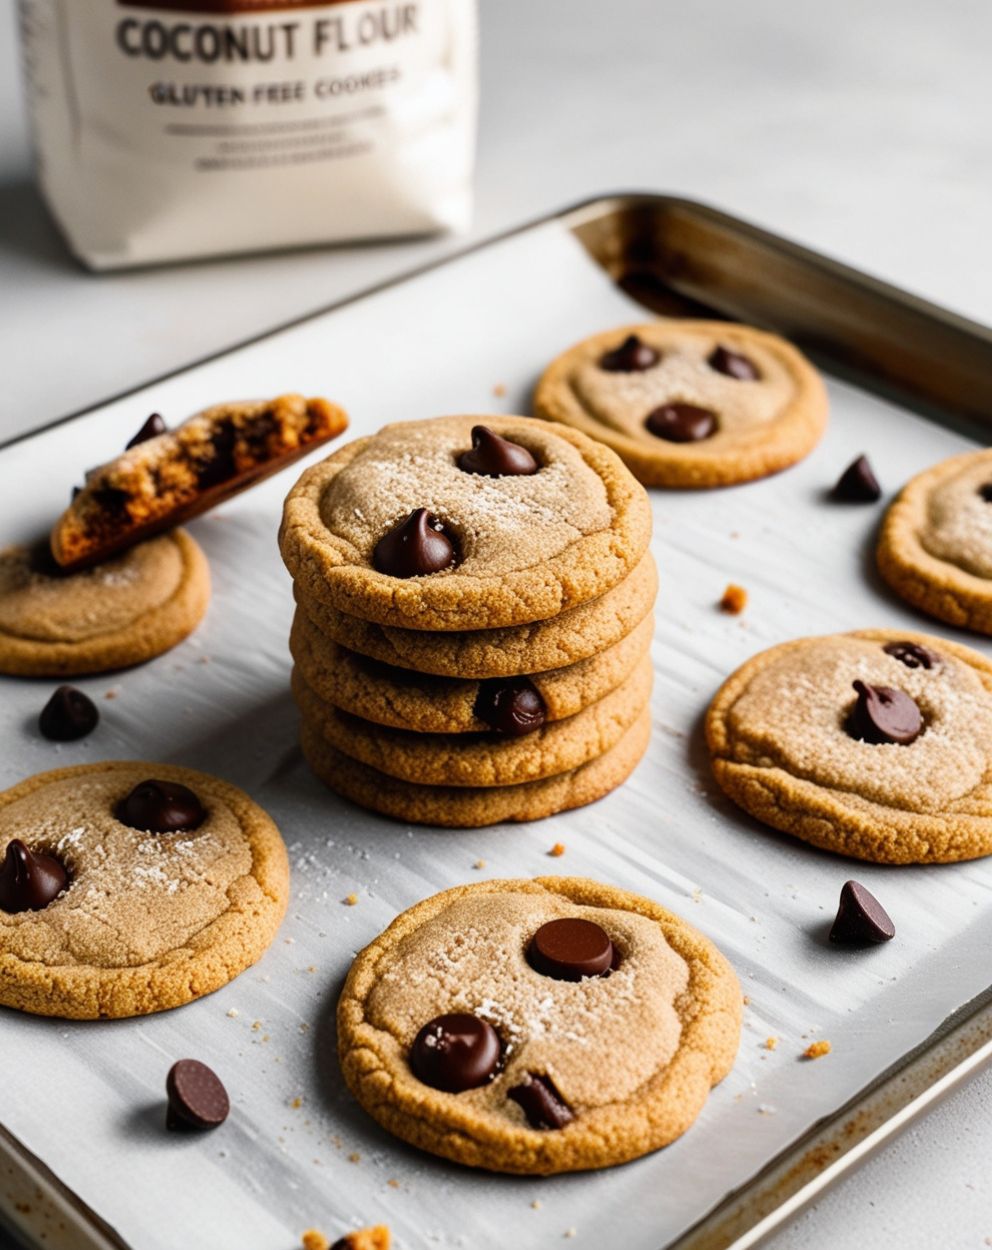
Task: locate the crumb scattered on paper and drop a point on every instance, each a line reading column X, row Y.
column 734, row 600
column 312, row 1240
column 557, row 850
column 816, row 1050
column 350, row 899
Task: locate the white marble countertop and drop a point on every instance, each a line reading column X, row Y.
column 860, row 130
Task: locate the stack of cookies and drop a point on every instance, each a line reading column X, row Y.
column 473, row 624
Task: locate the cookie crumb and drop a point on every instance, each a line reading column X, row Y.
column 536, row 1204
column 746, row 1000
column 816, row 1050
column 111, row 694
column 350, row 900
column 232, row 1013
column 296, row 1103
column 569, row 1232
column 313, row 1240
column 393, row 1183
column 734, row 600
column 499, row 390
column 771, row 1043
column 557, row 850
column 354, row 1157
column 479, row 863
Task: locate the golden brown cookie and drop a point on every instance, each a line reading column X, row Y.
column 128, row 610
column 149, row 920
column 483, row 759
column 935, row 547
column 514, row 548
column 897, row 769
column 689, row 403
column 424, row 703
column 168, row 478
column 468, row 807
column 549, row 1074
column 565, row 639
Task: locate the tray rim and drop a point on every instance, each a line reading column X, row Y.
column 903, row 1091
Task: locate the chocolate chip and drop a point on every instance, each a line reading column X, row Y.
column 861, row 918
column 986, row 492
column 494, row 456
column 197, row 1097
column 543, row 1106
column 733, row 364
column 857, row 484
column 912, row 654
column 882, row 714
column 76, row 492
column 681, row 423
column 570, row 949
column 632, row 356
column 455, row 1052
column 68, row 714
column 219, row 464
column 415, row 547
column 152, row 428
column 29, row 880
column 161, row 807
column 510, row 705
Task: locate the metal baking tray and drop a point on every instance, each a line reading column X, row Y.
column 84, row 1160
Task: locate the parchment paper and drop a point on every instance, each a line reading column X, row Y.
column 88, row 1098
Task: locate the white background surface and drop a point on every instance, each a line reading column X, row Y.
column 862, row 132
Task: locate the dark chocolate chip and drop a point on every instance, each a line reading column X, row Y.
column 152, row 428
column 68, row 714
column 415, row 547
column 197, row 1097
column 76, row 492
column 986, row 492
column 455, row 1052
column 494, row 456
column 681, row 423
column 510, row 705
column 857, row 484
column 912, row 654
column 733, row 364
column 29, row 880
column 219, row 465
column 632, row 356
column 882, row 714
column 161, row 807
column 543, row 1106
column 861, row 918
column 570, row 949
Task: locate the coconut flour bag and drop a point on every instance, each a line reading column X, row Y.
column 168, row 129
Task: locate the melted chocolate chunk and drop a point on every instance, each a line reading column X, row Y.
column 857, row 484
column 543, row 1106
column 632, row 356
column 161, row 807
column 455, row 1052
column 912, row 654
column 414, row 548
column 681, row 423
column 220, row 465
column 884, row 715
column 510, row 705
column 493, row 456
column 197, row 1097
column 861, row 918
column 733, row 364
column 986, row 492
column 69, row 714
column 152, row 428
column 29, row 880
column 570, row 949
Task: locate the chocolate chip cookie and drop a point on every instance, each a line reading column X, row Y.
column 128, row 888
column 875, row 744
column 540, row 1026
column 689, row 403
column 449, row 525
column 131, row 608
column 935, row 546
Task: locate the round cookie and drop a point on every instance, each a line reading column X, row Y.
column 566, row 639
column 424, row 703
column 629, row 1057
column 467, row 807
column 120, row 613
column 863, row 772
column 149, row 920
column 935, row 546
column 729, row 403
column 484, row 759
column 526, row 546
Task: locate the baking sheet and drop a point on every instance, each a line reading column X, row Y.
column 88, row 1097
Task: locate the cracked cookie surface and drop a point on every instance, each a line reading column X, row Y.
column 632, row 1054
column 783, row 747
column 148, row 921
